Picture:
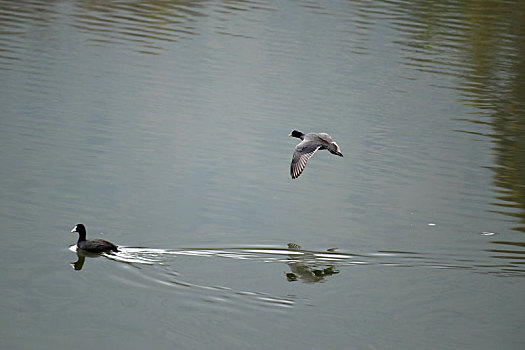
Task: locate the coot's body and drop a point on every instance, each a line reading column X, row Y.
column 92, row 245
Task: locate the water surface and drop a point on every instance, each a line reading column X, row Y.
column 164, row 125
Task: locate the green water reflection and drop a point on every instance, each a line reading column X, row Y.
column 480, row 45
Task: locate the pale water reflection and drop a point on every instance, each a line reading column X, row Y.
column 308, row 265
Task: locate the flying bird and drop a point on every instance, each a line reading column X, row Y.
column 310, row 143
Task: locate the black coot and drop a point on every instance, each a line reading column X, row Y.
column 92, row 245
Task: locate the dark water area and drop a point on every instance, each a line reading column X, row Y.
column 163, row 124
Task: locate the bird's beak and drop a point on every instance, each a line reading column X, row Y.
column 290, row 134
column 74, row 229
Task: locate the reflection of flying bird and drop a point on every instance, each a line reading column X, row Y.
column 310, row 143
column 300, row 269
column 92, row 245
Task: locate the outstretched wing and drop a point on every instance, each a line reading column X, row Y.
column 323, row 137
column 303, row 151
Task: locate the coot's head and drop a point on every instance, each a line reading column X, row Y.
column 79, row 228
column 297, row 134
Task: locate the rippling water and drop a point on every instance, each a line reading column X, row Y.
column 164, row 123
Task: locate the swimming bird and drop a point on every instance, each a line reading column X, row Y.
column 310, row 143
column 92, row 245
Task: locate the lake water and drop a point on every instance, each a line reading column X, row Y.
column 165, row 126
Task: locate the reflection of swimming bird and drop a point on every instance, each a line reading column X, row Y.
column 77, row 265
column 310, row 143
column 92, row 245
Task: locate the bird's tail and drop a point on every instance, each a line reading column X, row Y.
column 334, row 149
